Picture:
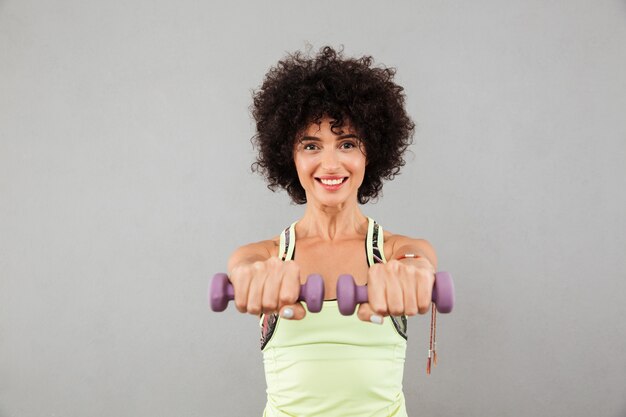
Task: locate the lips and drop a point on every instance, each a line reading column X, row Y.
column 331, row 183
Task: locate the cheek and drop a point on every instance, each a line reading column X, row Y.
column 303, row 167
column 358, row 164
column 359, row 169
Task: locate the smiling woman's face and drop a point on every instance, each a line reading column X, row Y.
column 330, row 163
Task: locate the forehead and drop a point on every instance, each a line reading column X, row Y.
column 328, row 126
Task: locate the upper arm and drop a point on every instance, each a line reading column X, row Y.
column 252, row 252
column 403, row 245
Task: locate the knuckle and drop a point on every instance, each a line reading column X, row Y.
column 411, row 269
column 410, row 311
column 288, row 297
column 274, row 260
column 258, row 266
column 270, row 306
column 380, row 310
column 396, row 311
column 394, row 265
column 241, row 306
column 423, row 308
column 254, row 309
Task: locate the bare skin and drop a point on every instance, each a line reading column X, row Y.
column 330, row 241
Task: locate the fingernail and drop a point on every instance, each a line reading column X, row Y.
column 288, row 313
column 374, row 318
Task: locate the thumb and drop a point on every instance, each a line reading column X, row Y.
column 293, row 311
column 365, row 313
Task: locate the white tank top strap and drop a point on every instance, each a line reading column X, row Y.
column 375, row 243
column 287, row 243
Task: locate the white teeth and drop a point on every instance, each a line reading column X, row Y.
column 331, row 182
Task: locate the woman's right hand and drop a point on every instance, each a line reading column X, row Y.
column 267, row 286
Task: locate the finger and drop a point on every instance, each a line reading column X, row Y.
column 409, row 288
column 424, row 292
column 255, row 293
column 293, row 312
column 271, row 290
column 290, row 284
column 376, row 290
column 365, row 313
column 240, row 278
column 394, row 293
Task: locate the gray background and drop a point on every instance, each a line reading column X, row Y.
column 125, row 184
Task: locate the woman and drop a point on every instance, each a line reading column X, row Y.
column 329, row 131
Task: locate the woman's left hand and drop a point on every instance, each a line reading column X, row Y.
column 398, row 287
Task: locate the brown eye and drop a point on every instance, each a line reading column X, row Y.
column 348, row 145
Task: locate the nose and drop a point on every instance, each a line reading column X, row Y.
column 330, row 161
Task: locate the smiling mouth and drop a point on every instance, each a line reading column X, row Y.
column 331, row 182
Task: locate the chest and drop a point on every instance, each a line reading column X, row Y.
column 331, row 260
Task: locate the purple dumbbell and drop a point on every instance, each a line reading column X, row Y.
column 221, row 292
column 349, row 294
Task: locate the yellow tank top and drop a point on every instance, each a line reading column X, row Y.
column 332, row 365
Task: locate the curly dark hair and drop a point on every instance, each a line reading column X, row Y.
column 301, row 90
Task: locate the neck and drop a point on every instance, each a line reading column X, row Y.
column 332, row 223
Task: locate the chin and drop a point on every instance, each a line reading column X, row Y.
column 334, row 201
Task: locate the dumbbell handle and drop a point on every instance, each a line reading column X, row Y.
column 221, row 291
column 349, row 294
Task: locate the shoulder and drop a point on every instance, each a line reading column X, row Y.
column 397, row 245
column 256, row 251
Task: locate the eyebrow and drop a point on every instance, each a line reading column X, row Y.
column 316, row 139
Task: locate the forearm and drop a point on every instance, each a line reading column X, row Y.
column 247, row 255
column 421, row 249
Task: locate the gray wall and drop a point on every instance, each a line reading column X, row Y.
column 125, row 184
